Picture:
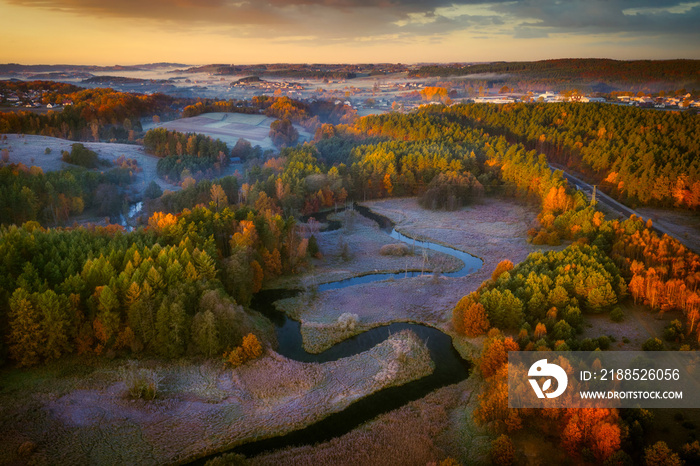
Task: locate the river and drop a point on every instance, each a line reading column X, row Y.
column 450, row 368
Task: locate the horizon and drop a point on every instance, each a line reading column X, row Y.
column 308, row 63
column 83, row 32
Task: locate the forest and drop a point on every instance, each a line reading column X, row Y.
column 588, row 73
column 175, row 288
column 92, row 115
column 637, row 156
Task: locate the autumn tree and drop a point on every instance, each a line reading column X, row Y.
column 474, row 321
column 218, row 198
column 660, row 454
column 502, row 451
column 503, row 266
column 26, row 336
column 251, row 347
column 56, row 324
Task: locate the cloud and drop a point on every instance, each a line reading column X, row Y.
column 330, row 21
column 649, row 17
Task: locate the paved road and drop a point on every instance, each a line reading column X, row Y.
column 614, row 205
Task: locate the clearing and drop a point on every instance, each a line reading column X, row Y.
column 230, row 127
column 30, row 150
column 354, row 250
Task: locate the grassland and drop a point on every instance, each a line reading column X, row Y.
column 230, row 127
column 493, row 230
column 54, row 414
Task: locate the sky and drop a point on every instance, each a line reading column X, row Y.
column 343, row 31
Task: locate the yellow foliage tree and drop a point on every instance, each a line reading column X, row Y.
column 252, row 348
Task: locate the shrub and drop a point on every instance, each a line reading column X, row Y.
column 348, row 321
column 396, row 249
column 47, row 150
column 80, row 155
column 251, row 347
column 140, row 383
column 235, row 357
column 653, row 344
column 616, row 315
column 313, row 248
column 674, row 331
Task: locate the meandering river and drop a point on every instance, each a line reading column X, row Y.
column 449, row 366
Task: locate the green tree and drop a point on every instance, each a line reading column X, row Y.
column 55, row 323
column 26, row 335
column 171, row 328
column 205, row 334
column 503, row 308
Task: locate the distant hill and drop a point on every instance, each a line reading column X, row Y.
column 588, row 73
column 312, row 71
column 113, row 79
column 18, row 68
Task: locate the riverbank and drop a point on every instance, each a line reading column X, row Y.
column 355, row 250
column 201, row 409
column 493, row 230
column 426, row 431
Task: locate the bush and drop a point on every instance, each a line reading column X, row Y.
column 603, row 342
column 616, row 315
column 588, row 344
column 140, row 383
column 251, row 347
column 653, row 344
column 80, row 155
column 348, row 321
column 47, row 150
column 312, row 247
column 674, row 331
column 396, row 249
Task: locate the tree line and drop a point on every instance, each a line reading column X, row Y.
column 175, row 288
column 638, row 156
column 89, row 114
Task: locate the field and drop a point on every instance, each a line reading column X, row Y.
column 362, row 241
column 230, row 127
column 85, row 416
column 432, row 428
column 30, row 150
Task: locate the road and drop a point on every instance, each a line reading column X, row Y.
column 616, row 206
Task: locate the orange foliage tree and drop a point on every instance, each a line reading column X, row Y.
column 503, row 266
